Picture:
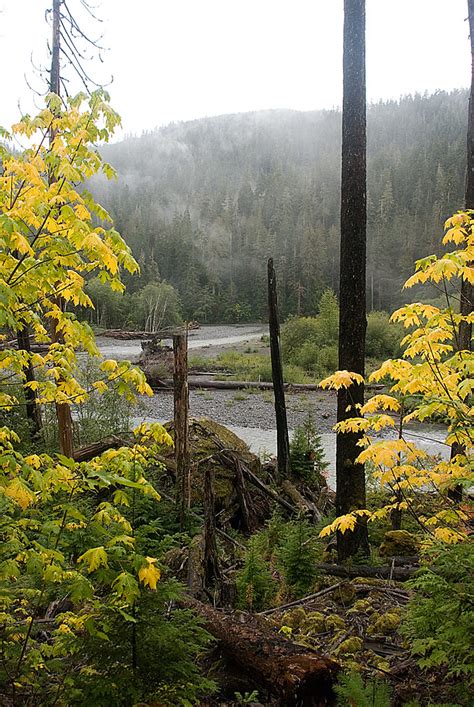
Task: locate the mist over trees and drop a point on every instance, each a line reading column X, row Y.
column 204, row 203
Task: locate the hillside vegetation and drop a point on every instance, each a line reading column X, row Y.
column 204, row 203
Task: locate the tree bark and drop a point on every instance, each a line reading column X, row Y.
column 33, row 411
column 212, row 573
column 283, row 443
column 467, row 290
column 63, row 410
column 285, row 669
column 350, row 477
column 181, row 406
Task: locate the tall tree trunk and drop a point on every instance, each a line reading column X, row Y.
column 33, row 411
column 55, row 73
column 283, row 444
column 63, row 410
column 467, row 290
column 181, row 432
column 467, row 293
column 350, row 477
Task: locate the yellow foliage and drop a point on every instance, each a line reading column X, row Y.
column 341, row 379
column 433, row 369
column 149, row 574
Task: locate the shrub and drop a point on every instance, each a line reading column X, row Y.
column 298, row 557
column 383, row 337
column 306, row 453
column 440, row 616
column 255, row 585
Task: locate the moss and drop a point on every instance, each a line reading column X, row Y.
column 381, row 663
column 314, row 622
column 207, row 438
column 399, row 543
column 386, row 623
column 350, row 646
column 293, row 618
column 361, row 606
column 334, row 622
column 344, row 594
column 307, row 642
column 372, row 581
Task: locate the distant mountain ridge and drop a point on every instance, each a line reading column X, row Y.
column 204, row 203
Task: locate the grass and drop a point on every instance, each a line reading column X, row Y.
column 251, row 366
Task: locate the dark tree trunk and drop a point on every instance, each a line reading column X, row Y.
column 55, row 74
column 467, row 290
column 181, row 405
column 283, row 444
column 63, row 410
column 350, row 477
column 467, row 294
column 212, row 573
column 33, row 411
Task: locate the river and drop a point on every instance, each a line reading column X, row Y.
column 251, row 414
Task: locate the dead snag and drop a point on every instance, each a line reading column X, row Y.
column 283, row 444
column 181, row 404
column 212, row 573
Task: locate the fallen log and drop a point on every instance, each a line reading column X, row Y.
column 125, row 335
column 201, row 382
column 85, row 454
column 382, row 572
column 285, row 669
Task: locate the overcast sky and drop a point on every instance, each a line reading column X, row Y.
column 183, row 59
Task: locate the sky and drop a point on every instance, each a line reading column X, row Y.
column 175, row 60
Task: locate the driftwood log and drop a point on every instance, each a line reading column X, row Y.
column 286, row 670
column 158, row 383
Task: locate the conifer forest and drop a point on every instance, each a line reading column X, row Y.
column 236, row 383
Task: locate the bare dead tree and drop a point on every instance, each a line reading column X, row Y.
column 350, row 476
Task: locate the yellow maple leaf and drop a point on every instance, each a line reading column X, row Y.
column 149, row 574
column 341, row 379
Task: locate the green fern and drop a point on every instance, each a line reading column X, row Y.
column 352, row 690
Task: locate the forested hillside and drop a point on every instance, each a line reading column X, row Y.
column 204, row 203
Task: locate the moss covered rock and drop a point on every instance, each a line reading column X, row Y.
column 399, row 543
column 207, row 439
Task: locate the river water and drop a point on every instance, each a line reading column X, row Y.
column 251, row 417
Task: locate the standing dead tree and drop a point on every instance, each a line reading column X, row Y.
column 350, row 476
column 283, row 444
